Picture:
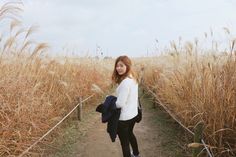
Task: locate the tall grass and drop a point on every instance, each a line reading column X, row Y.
column 35, row 90
column 199, row 87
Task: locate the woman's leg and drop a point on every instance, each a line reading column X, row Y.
column 132, row 138
column 123, row 133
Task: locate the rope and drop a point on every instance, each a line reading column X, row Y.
column 170, row 112
column 49, row 131
column 205, row 146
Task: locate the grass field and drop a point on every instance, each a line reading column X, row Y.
column 36, row 91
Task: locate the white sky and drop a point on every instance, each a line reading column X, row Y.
column 125, row 26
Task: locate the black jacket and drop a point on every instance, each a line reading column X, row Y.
column 110, row 114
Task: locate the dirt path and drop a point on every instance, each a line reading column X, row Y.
column 98, row 144
column 157, row 136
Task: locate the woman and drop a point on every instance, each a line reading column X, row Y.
column 127, row 100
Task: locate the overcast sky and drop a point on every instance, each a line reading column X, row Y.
column 130, row 27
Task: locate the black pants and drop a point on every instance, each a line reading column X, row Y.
column 126, row 136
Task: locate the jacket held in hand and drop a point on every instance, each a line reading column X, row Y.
column 110, row 114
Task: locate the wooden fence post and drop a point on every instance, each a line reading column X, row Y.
column 198, row 132
column 154, row 105
column 79, row 109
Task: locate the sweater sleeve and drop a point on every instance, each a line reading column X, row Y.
column 122, row 94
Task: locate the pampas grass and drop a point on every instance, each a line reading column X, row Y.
column 199, row 87
column 36, row 91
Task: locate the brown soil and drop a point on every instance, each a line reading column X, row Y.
column 157, row 135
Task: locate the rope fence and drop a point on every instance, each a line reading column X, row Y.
column 79, row 111
column 49, row 131
column 191, row 132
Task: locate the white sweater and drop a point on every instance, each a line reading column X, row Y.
column 127, row 98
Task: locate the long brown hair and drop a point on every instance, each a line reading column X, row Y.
column 116, row 78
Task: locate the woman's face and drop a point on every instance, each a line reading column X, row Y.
column 121, row 68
